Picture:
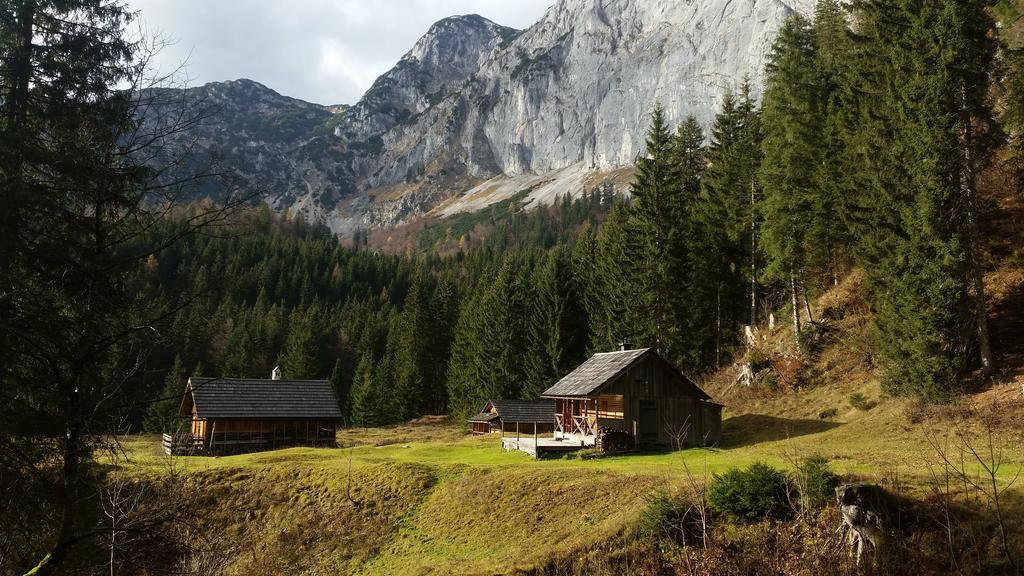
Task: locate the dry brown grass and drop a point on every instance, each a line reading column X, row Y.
column 424, row 429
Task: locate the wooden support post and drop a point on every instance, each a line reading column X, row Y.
column 536, row 451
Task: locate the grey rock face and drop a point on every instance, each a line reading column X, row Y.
column 474, row 101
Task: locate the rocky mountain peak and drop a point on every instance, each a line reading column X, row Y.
column 440, row 61
column 475, row 111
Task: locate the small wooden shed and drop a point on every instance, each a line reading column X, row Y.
column 516, row 416
column 232, row 415
column 638, row 392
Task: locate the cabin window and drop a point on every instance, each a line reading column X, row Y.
column 611, row 406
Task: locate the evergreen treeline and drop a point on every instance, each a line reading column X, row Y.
column 874, row 139
column 268, row 291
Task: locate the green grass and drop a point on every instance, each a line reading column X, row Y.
column 435, row 500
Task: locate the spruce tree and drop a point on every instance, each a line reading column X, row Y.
column 162, row 415
column 729, row 210
column 298, row 359
column 917, row 66
column 657, row 208
column 791, row 122
column 613, row 288
column 691, row 287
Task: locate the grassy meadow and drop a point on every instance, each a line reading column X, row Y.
column 427, row 498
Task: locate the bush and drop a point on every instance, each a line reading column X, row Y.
column 758, row 359
column 753, row 494
column 828, row 413
column 815, row 483
column 861, row 402
column 668, row 517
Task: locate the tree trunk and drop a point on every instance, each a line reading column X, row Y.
column 753, row 256
column 69, row 497
column 718, row 326
column 968, row 188
column 796, row 308
column 807, row 302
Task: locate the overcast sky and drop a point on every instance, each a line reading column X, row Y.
column 323, row 51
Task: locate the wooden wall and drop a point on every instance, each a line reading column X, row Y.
column 658, row 406
column 229, row 436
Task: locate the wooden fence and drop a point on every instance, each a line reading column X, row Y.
column 182, row 444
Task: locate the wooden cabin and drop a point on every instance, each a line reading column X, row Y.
column 516, row 416
column 637, row 392
column 232, row 415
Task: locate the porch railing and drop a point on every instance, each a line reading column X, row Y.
column 584, row 425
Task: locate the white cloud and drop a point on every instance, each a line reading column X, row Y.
column 319, row 50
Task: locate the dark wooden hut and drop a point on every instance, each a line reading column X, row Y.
column 516, row 416
column 637, row 392
column 232, row 415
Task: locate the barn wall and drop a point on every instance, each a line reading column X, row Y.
column 239, row 435
column 677, row 408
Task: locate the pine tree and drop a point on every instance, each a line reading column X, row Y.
column 298, row 359
column 791, row 122
column 652, row 234
column 729, row 210
column 162, row 415
column 917, row 65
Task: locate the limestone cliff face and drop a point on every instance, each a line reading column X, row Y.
column 576, row 88
column 474, row 102
column 579, row 85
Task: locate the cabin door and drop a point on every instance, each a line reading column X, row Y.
column 647, row 426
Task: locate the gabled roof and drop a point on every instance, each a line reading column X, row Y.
column 522, row 411
column 252, row 398
column 604, row 367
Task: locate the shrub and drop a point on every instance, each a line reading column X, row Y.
column 828, row 413
column 771, row 381
column 861, row 402
column 753, row 494
column 758, row 359
column 663, row 517
column 669, row 517
column 815, row 483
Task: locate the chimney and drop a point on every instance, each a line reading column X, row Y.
column 624, row 346
column 275, row 374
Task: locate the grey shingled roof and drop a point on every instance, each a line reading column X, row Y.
column 601, row 368
column 593, row 373
column 483, row 417
column 251, row 398
column 525, row 411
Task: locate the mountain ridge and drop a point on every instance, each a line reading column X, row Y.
column 475, row 104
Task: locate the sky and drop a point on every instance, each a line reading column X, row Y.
column 322, row 51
